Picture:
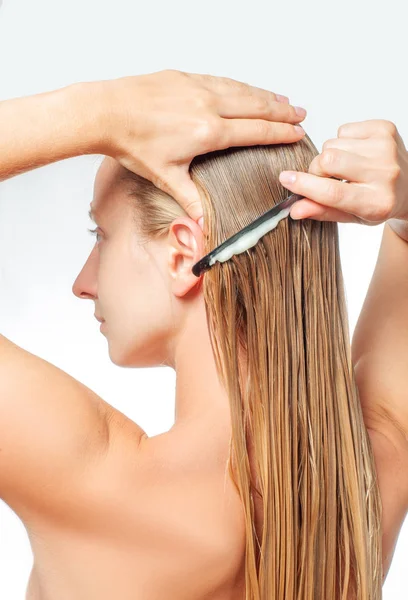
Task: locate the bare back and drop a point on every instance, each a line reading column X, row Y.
column 164, row 521
column 164, row 524
column 111, row 513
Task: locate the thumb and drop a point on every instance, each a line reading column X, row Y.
column 185, row 192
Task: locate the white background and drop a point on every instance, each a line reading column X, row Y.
column 344, row 62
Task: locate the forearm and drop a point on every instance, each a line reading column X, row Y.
column 45, row 128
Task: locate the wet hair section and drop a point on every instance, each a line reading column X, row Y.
column 248, row 237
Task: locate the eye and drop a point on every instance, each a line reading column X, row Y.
column 95, row 232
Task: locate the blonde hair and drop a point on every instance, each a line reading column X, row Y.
column 279, row 330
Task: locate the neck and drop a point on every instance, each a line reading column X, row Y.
column 201, row 401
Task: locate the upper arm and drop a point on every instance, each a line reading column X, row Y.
column 380, row 359
column 380, row 340
column 51, row 428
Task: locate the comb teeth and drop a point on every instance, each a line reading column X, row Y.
column 207, row 261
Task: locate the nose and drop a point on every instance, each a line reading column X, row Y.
column 85, row 285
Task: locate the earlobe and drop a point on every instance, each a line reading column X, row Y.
column 185, row 249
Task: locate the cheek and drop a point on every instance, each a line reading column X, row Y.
column 143, row 330
column 140, row 296
column 134, row 293
column 147, row 301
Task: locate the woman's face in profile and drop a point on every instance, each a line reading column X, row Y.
column 126, row 277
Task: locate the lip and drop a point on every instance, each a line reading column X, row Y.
column 99, row 319
column 102, row 326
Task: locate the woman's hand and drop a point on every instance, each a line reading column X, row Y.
column 158, row 123
column 372, row 158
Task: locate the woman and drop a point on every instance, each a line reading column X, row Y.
column 127, row 516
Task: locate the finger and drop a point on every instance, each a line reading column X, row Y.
column 307, row 209
column 349, row 197
column 228, row 86
column 250, row 132
column 181, row 187
column 367, row 129
column 343, row 165
column 369, row 148
column 281, row 98
column 256, row 107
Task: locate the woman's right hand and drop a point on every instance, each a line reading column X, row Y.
column 157, row 124
column 372, row 159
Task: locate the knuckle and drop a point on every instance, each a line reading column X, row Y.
column 342, row 130
column 328, row 144
column 392, row 149
column 314, row 166
column 385, row 207
column 387, row 146
column 204, row 130
column 389, row 127
column 243, row 87
column 234, row 83
column 261, row 105
column 329, row 158
column 209, row 132
column 203, row 100
column 262, row 130
column 393, row 173
column 171, row 73
column 335, row 193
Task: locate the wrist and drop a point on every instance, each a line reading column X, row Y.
column 44, row 128
column 87, row 102
column 400, row 226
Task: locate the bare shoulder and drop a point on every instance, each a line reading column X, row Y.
column 157, row 505
column 54, row 431
column 202, row 494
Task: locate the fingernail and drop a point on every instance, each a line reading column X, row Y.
column 201, row 222
column 281, row 98
column 296, row 215
column 287, row 177
column 301, row 112
column 299, row 129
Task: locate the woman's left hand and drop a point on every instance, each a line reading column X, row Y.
column 372, row 159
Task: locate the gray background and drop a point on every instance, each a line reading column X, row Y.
column 343, row 62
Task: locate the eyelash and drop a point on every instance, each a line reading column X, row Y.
column 94, row 232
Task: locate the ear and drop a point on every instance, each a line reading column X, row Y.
column 186, row 247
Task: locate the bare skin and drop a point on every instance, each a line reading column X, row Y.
column 111, row 513
column 138, row 506
column 150, row 521
column 81, row 485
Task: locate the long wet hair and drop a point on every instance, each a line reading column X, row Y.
column 300, row 455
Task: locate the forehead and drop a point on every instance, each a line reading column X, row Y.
column 108, row 187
